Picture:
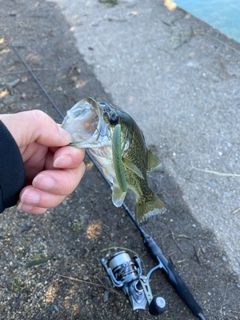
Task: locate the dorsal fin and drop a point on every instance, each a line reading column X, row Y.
column 153, row 163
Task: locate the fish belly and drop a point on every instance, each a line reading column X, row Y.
column 103, row 156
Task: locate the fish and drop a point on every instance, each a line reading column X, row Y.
column 118, row 145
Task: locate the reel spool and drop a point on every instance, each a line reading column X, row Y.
column 126, row 273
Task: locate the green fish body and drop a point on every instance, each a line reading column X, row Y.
column 118, row 145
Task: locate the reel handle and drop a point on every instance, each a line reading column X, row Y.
column 157, row 306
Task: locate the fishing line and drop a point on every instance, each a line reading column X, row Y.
column 35, row 77
column 172, row 276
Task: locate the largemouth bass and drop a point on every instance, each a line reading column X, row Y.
column 118, row 145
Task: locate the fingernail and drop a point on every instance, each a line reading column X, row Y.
column 44, row 182
column 30, row 197
column 24, row 207
column 63, row 161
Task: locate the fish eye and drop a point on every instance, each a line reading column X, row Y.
column 113, row 119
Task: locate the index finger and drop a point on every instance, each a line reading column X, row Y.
column 36, row 126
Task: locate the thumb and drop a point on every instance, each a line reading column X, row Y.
column 35, row 126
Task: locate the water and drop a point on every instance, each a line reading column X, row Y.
column 223, row 15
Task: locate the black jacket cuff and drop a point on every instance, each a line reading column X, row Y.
column 12, row 173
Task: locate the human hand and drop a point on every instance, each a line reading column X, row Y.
column 53, row 169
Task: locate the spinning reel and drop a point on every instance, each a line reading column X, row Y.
column 127, row 274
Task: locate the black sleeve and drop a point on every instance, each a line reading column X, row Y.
column 12, row 174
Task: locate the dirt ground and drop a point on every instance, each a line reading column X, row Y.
column 50, row 264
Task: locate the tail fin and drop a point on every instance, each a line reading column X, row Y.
column 148, row 207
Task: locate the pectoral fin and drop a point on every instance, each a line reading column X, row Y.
column 153, row 163
column 131, row 166
column 117, row 158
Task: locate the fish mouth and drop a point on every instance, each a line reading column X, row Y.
column 85, row 122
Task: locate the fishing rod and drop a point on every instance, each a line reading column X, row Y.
column 172, row 276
